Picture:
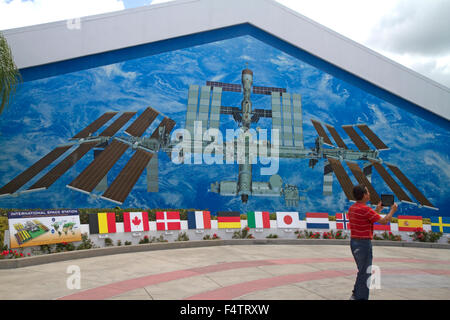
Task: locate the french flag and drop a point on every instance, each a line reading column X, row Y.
column 199, row 220
column 317, row 220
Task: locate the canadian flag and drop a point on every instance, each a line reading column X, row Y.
column 168, row 220
column 135, row 221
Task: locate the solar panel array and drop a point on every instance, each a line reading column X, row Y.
column 361, row 175
column 287, row 118
column 225, row 86
column 267, row 90
column 91, row 176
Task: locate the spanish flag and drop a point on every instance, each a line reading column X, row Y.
column 102, row 223
column 229, row 220
column 409, row 223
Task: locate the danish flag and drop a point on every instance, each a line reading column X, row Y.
column 168, row 220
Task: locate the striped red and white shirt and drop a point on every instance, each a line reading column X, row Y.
column 362, row 219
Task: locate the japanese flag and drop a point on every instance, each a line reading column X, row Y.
column 288, row 220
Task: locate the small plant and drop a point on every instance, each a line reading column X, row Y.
column 272, row 236
column 312, row 235
column 341, row 235
column 160, row 239
column 332, row 235
column 300, row 234
column 144, row 240
column 10, row 254
column 108, row 242
column 64, row 246
column 86, row 243
column 119, row 243
column 328, row 235
column 387, row 236
column 214, row 237
column 424, row 236
column 243, row 234
column 182, row 237
column 128, row 243
column 45, row 248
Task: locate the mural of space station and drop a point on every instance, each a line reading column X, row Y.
column 48, row 116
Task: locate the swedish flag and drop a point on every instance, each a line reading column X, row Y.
column 440, row 224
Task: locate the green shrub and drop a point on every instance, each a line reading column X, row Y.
column 86, row 243
column 108, row 242
column 387, row 236
column 182, row 237
column 424, row 236
column 45, row 248
column 214, row 237
column 272, row 236
column 144, row 240
column 243, row 234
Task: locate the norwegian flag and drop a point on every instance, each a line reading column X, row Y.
column 342, row 221
column 168, row 220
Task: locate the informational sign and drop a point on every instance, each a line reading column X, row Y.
column 35, row 228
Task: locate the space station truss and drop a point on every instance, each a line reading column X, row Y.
column 112, row 149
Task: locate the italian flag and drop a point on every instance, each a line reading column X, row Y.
column 258, row 219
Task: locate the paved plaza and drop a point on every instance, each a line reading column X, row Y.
column 234, row 272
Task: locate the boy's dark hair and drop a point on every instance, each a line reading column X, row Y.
column 359, row 191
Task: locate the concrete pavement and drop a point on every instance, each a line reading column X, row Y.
column 238, row 272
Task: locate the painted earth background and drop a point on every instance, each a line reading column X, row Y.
column 47, row 112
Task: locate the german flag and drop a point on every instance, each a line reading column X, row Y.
column 409, row 223
column 102, row 223
column 229, row 220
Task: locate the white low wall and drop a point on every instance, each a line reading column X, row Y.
column 134, row 237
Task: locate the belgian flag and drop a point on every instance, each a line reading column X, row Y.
column 229, row 220
column 102, row 223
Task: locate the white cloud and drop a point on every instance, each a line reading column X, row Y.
column 413, row 33
column 18, row 13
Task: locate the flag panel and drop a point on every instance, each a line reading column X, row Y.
column 93, row 223
column 102, row 223
column 191, row 218
column 317, row 220
column 229, row 225
column 168, row 220
column 440, row 224
column 229, row 220
column 342, row 221
column 409, row 223
column 111, row 217
column 203, row 219
column 383, row 227
column 258, row 219
column 135, row 221
column 288, row 220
